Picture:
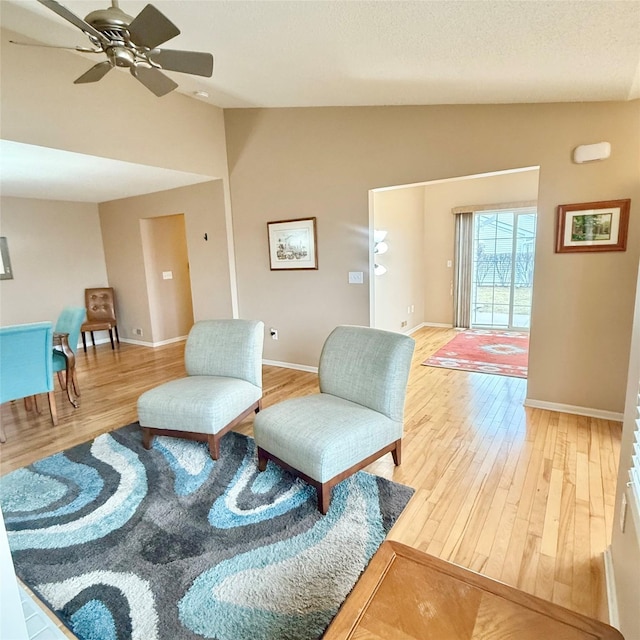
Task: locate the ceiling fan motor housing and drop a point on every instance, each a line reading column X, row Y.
column 113, row 22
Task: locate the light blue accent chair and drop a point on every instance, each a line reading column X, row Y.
column 223, row 359
column 69, row 321
column 356, row 418
column 25, row 364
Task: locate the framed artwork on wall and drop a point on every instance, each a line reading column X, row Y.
column 6, row 272
column 592, row 226
column 292, row 244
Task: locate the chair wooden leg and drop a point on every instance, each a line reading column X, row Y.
column 27, row 403
column 147, row 437
column 397, row 453
column 117, row 336
column 262, row 460
column 214, row 447
column 62, row 381
column 84, row 342
column 324, row 497
column 93, row 339
column 53, row 408
column 74, row 381
column 111, row 338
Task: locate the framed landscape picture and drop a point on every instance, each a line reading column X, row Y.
column 592, row 226
column 292, row 244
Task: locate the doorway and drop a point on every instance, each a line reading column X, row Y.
column 166, row 262
column 502, row 268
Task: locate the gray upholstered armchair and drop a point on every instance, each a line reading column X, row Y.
column 223, row 386
column 356, row 418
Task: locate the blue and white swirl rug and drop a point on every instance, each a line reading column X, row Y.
column 167, row 544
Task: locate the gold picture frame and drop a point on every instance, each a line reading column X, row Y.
column 592, row 226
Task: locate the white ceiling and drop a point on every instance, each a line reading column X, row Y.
column 300, row 53
column 297, row 53
column 28, row 171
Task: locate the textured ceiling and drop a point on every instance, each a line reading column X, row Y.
column 340, row 52
column 270, row 53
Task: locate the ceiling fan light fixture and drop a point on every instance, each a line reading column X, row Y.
column 121, row 56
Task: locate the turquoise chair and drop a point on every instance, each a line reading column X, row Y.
column 223, row 386
column 356, row 418
column 69, row 321
column 26, row 366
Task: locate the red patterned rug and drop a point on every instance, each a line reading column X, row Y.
column 504, row 353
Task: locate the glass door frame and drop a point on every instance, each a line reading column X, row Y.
column 516, row 212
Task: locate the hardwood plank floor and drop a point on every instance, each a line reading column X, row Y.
column 522, row 495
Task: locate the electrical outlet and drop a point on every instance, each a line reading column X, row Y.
column 137, row 331
column 403, row 323
column 356, row 277
column 274, row 333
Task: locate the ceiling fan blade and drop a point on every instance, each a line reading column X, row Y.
column 97, row 72
column 154, row 80
column 151, row 28
column 55, row 46
column 200, row 64
column 63, row 12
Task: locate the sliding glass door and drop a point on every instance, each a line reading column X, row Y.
column 502, row 277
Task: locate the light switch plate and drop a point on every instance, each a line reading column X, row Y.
column 356, row 277
column 167, row 275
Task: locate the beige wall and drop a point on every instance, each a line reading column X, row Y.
column 204, row 212
column 288, row 163
column 440, row 229
column 48, row 240
column 401, row 213
column 114, row 118
column 119, row 118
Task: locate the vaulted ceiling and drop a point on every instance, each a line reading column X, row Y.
column 300, row 53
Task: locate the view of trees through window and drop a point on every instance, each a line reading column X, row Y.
column 503, row 260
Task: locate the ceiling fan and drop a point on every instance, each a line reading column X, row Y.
column 133, row 43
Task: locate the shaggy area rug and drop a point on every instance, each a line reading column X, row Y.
column 505, row 353
column 167, row 544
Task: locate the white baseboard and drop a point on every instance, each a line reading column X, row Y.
column 610, row 582
column 408, row 332
column 438, row 325
column 569, row 408
column 169, row 341
column 141, row 343
column 290, row 365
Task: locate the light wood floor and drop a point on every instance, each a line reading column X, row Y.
column 522, row 495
